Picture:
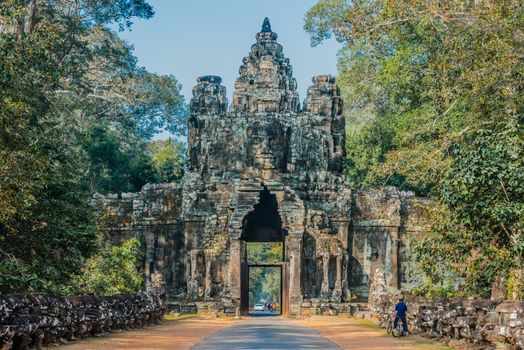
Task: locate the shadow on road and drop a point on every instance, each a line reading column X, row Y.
column 263, row 313
column 266, row 333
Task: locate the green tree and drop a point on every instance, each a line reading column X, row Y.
column 271, row 285
column 264, row 282
column 480, row 233
column 114, row 168
column 70, row 88
column 113, row 270
column 435, row 97
column 169, row 158
column 119, row 107
column 265, row 252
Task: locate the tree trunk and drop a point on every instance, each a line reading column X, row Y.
column 31, row 16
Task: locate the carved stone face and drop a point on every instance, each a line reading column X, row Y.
column 319, row 224
column 209, row 97
column 268, row 146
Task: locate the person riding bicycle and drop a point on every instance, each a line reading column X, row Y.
column 401, row 310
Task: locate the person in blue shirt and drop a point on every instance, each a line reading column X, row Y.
column 401, row 310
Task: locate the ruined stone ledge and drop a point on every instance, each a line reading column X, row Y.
column 376, row 223
column 28, row 320
column 317, row 307
column 410, row 229
column 211, row 307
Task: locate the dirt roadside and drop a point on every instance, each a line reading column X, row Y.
column 351, row 333
column 175, row 334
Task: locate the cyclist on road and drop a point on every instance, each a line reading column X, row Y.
column 401, row 310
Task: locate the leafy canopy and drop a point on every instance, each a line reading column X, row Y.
column 76, row 116
column 434, row 96
column 113, row 270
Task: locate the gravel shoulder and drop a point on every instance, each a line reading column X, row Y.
column 173, row 334
column 352, row 333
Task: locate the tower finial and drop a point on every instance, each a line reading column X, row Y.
column 266, row 26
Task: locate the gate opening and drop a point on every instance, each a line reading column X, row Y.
column 263, row 224
column 265, row 290
column 264, row 269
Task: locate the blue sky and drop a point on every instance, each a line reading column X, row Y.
column 189, row 38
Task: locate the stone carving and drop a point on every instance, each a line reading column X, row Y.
column 266, row 83
column 209, row 96
column 195, row 287
column 323, row 97
column 267, row 171
column 34, row 321
column 498, row 289
column 157, row 286
column 379, row 297
column 463, row 323
column 266, row 26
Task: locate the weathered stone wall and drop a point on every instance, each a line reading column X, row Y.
column 266, row 143
column 154, row 217
column 28, row 320
column 382, row 225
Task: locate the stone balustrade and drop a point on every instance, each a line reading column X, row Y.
column 462, row 323
column 34, row 321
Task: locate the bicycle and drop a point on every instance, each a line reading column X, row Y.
column 389, row 323
column 397, row 331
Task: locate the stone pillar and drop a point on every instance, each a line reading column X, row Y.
column 338, row 281
column 295, row 262
column 208, row 285
column 324, row 289
column 192, row 284
column 234, row 268
column 394, row 239
column 346, row 293
column 337, row 292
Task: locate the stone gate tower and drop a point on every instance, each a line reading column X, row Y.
column 266, row 142
column 266, row 170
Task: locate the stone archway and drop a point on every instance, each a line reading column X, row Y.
column 274, row 201
column 264, row 225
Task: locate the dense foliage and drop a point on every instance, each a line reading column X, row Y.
column 114, row 270
column 168, row 158
column 264, row 282
column 434, row 97
column 77, row 115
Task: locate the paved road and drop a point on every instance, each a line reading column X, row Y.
column 256, row 333
column 265, row 333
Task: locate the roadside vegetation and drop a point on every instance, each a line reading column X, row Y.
column 77, row 116
column 434, row 99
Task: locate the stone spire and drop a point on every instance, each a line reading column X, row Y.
column 266, row 83
column 209, row 97
column 323, row 97
column 266, row 26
